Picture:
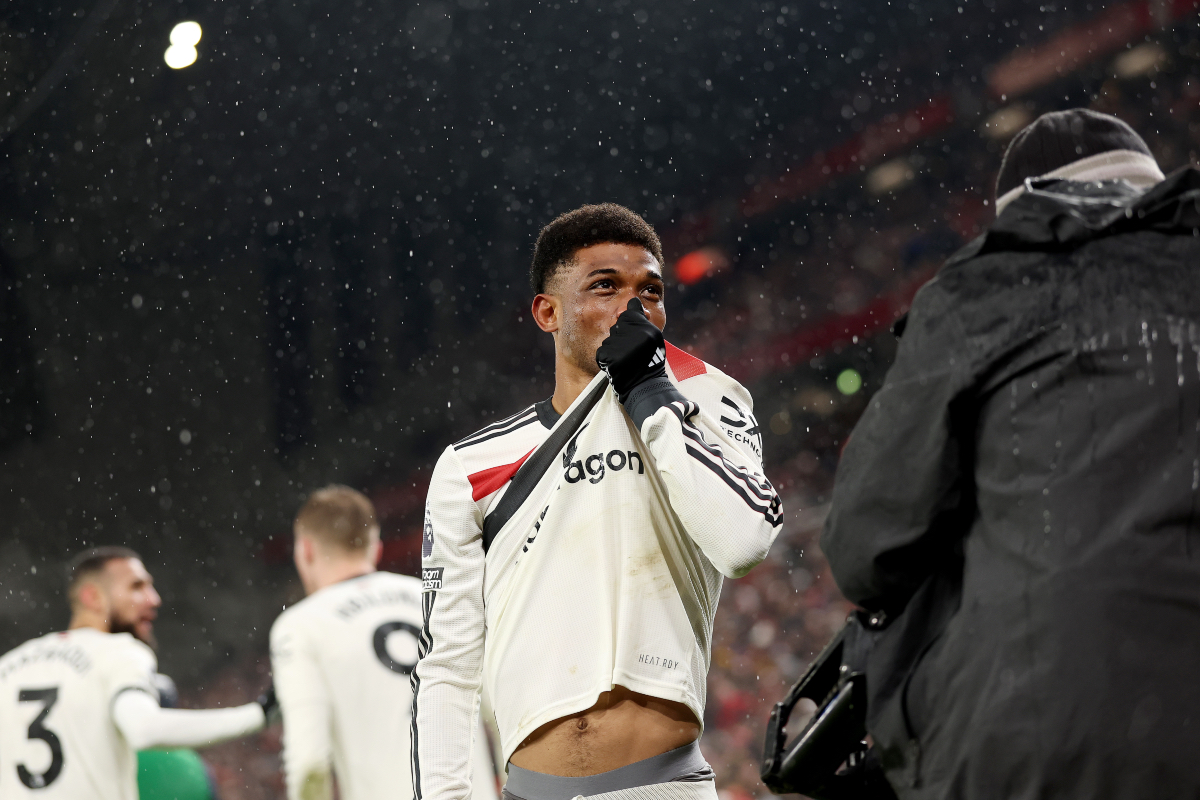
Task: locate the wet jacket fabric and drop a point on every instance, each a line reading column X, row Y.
column 1021, row 498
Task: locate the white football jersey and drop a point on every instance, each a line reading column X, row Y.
column 607, row 574
column 57, row 735
column 341, row 660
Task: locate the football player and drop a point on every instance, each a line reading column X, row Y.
column 341, row 660
column 75, row 706
column 585, row 605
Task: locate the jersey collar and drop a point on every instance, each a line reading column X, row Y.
column 546, row 413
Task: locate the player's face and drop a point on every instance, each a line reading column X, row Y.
column 133, row 602
column 594, row 289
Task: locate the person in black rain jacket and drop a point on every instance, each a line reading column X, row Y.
column 1020, row 499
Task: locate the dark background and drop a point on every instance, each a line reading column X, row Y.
column 303, row 259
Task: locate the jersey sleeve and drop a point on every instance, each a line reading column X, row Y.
column 145, row 725
column 713, row 474
column 304, row 701
column 483, row 782
column 446, row 679
column 131, row 666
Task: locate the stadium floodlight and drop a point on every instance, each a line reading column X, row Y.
column 186, row 34
column 179, row 56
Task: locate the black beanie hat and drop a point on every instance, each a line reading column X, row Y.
column 1058, row 138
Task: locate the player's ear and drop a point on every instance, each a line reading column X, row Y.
column 92, row 597
column 545, row 312
column 303, row 551
column 375, row 550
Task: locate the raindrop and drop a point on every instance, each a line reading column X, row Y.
column 1175, row 333
column 1145, row 342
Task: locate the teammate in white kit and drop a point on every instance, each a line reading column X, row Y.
column 342, row 656
column 584, row 605
column 76, row 706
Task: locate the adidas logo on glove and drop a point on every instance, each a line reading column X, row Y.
column 659, row 356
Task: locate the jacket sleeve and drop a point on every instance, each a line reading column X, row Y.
column 715, row 483
column 305, row 704
column 446, row 679
column 899, row 495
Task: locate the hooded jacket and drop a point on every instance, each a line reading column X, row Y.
column 1021, row 498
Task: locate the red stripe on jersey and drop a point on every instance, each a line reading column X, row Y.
column 683, row 364
column 489, row 480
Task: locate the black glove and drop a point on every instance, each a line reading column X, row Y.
column 168, row 692
column 269, row 704
column 634, row 356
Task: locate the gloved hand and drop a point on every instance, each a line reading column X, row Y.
column 634, row 357
column 270, row 705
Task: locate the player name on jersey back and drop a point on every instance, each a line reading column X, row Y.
column 343, row 656
column 57, row 736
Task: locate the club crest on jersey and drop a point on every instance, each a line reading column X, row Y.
column 431, row 579
column 427, row 536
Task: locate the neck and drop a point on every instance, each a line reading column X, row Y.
column 83, row 618
column 332, row 572
column 569, row 382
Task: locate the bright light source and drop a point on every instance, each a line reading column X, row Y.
column 1145, row 59
column 179, row 56
column 186, row 34
column 849, row 381
column 889, row 176
column 1004, row 123
column 700, row 264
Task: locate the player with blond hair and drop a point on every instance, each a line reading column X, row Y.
column 342, row 656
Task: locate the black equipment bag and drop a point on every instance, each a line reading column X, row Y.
column 860, row 678
column 829, row 759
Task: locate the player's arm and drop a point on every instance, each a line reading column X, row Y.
column 446, row 679
column 304, row 701
column 146, row 726
column 719, row 493
column 488, row 778
column 130, row 671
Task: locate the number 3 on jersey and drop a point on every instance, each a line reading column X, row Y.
column 47, row 697
column 380, row 640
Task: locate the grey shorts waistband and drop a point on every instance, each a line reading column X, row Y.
column 681, row 764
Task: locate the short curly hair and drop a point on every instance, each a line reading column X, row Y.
column 585, row 226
